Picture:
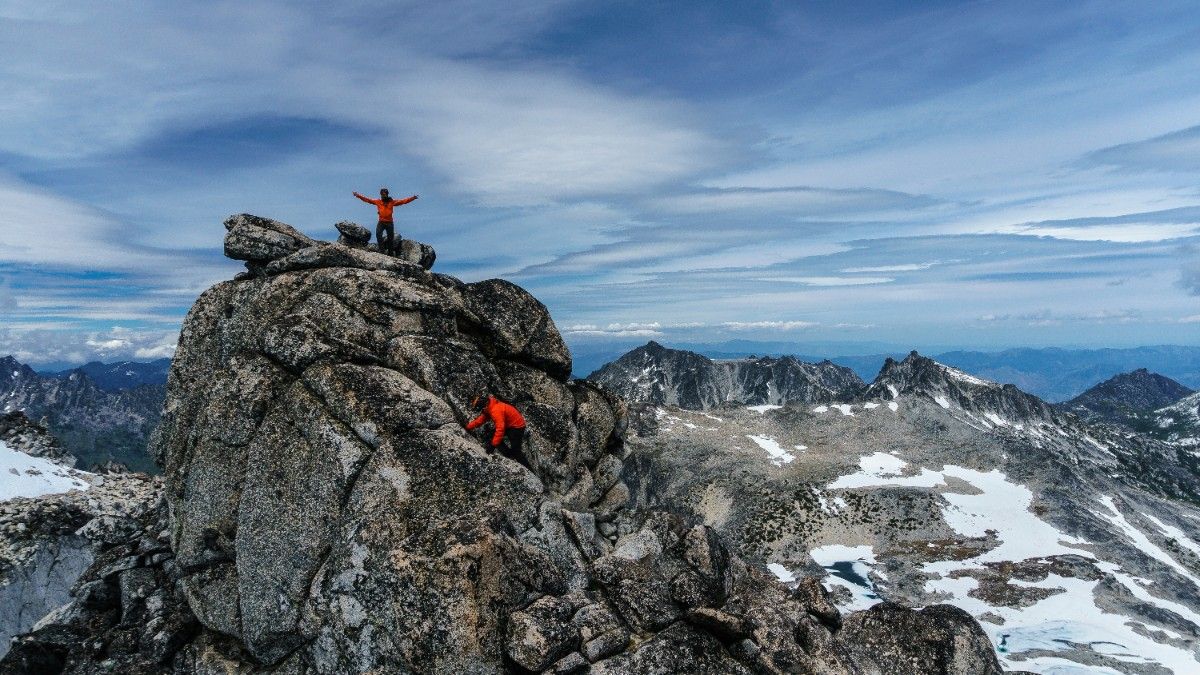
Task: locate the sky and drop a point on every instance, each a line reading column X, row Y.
column 971, row 174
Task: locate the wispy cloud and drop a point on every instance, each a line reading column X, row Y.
column 697, row 168
column 1178, row 151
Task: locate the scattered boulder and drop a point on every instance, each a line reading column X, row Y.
column 353, row 234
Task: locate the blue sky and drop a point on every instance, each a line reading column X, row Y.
column 954, row 174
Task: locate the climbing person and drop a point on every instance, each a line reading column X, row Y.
column 510, row 425
column 384, row 206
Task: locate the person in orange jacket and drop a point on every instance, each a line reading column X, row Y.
column 509, row 423
column 384, row 206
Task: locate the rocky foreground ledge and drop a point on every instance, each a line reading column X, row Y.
column 325, row 512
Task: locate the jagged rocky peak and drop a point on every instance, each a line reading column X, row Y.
column 658, row 375
column 918, row 375
column 327, row 512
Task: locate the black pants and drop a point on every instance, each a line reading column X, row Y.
column 392, row 244
column 513, row 444
column 514, row 438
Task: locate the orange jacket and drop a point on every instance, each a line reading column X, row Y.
column 385, row 208
column 503, row 416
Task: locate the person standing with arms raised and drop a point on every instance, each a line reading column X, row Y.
column 384, row 206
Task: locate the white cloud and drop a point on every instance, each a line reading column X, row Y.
column 832, row 281
column 768, row 325
column 908, row 267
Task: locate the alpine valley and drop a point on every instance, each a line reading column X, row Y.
column 1071, row 533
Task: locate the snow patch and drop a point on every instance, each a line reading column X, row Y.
column 782, row 573
column 1141, row 542
column 762, row 409
column 23, row 475
column 779, row 456
column 941, row 400
column 845, row 409
column 882, row 470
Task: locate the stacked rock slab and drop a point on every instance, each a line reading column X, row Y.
column 329, row 514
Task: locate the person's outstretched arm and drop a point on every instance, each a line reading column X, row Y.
column 406, row 200
column 475, row 423
column 367, row 199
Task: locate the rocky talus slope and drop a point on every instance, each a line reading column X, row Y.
column 327, row 513
column 655, row 374
column 1077, row 546
column 19, row 432
column 47, row 542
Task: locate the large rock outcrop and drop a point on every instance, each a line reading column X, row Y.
column 327, row 512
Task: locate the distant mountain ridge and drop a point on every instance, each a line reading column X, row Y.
column 1051, row 373
column 655, row 374
column 95, row 424
column 122, row 374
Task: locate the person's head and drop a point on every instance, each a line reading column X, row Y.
column 383, row 194
column 480, row 402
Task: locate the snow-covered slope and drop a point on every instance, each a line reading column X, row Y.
column 22, row 475
column 1180, row 423
column 1076, row 546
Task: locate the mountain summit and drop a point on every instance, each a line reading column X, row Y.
column 921, row 376
column 327, row 513
column 1128, row 398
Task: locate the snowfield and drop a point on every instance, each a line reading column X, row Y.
column 1069, row 615
column 24, row 476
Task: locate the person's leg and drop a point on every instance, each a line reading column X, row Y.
column 390, row 228
column 516, row 440
column 379, row 237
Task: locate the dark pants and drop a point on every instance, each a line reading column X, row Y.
column 392, row 244
column 513, row 445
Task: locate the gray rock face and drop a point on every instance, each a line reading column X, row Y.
column 327, row 512
column 1178, row 423
column 657, row 375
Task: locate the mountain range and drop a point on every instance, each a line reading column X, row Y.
column 1053, row 374
column 121, row 374
column 96, row 420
